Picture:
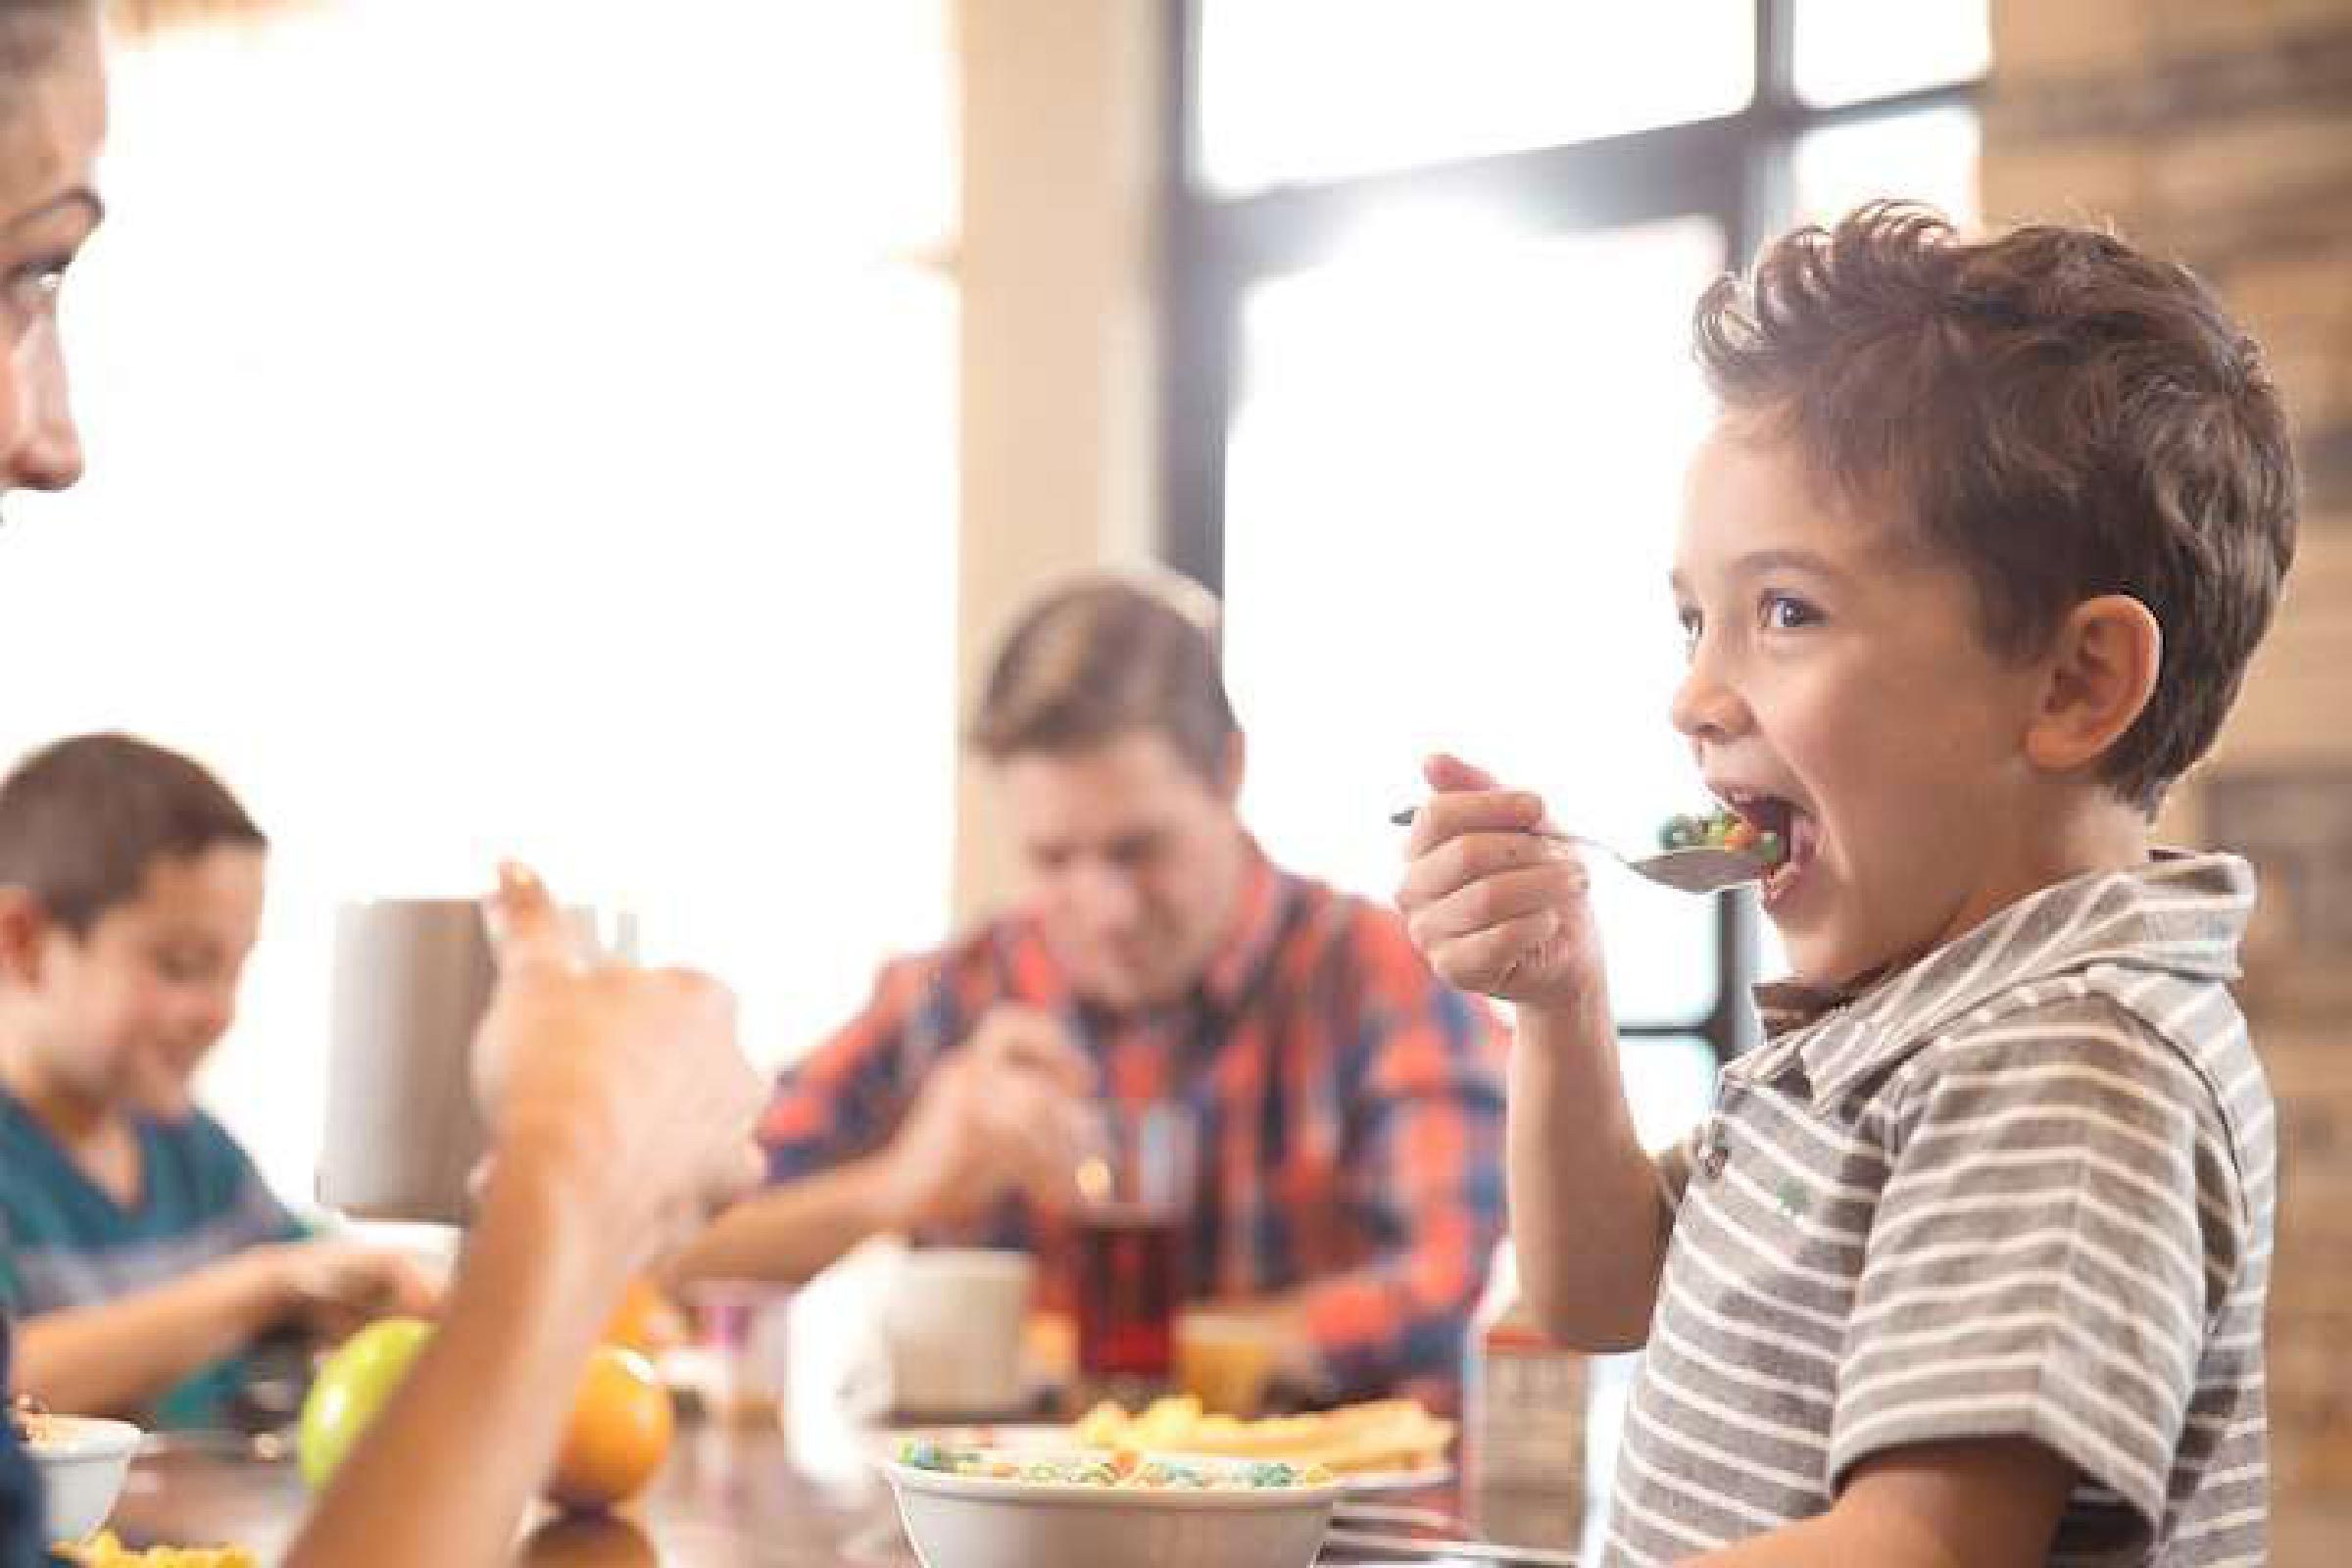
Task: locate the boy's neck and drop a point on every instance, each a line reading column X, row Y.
column 71, row 1117
column 2073, row 834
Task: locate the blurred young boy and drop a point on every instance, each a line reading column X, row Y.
column 1968, row 1266
column 138, row 1246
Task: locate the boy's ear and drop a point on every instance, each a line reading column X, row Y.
column 23, row 926
column 2103, row 664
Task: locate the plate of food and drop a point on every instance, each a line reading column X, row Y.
column 1379, row 1446
column 102, row 1550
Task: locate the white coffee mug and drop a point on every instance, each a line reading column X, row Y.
column 412, row 980
column 954, row 1324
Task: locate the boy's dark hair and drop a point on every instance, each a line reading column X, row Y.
column 31, row 30
column 82, row 822
column 2060, row 413
column 1107, row 656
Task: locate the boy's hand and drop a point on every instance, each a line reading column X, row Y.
column 1495, row 906
column 335, row 1288
column 624, row 1080
column 1004, row 1113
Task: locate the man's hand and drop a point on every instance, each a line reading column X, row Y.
column 1004, row 1112
column 626, row 1079
column 1494, row 904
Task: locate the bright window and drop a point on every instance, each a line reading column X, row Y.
column 525, row 427
column 1850, row 50
column 1299, row 90
column 1451, row 491
column 1452, row 432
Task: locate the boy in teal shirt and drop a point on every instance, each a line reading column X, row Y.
column 140, row 1251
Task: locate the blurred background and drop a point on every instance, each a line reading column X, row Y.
column 615, row 433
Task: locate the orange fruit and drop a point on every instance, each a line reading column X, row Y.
column 619, row 1434
column 646, row 1320
column 578, row 1540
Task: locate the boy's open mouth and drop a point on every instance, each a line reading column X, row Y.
column 1790, row 824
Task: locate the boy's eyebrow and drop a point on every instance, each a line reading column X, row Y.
column 1757, row 562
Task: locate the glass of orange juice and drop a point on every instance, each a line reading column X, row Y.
column 1224, row 1359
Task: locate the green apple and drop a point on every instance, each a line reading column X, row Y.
column 351, row 1388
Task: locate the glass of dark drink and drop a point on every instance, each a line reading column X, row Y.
column 1135, row 1200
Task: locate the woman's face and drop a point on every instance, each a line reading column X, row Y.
column 52, row 120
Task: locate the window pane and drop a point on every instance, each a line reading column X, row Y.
column 384, row 404
column 1930, row 156
column 1850, row 50
column 1301, row 90
column 1452, row 474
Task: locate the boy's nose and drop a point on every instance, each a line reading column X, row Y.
column 39, row 446
column 1707, row 708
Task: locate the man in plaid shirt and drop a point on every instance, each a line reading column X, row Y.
column 1348, row 1104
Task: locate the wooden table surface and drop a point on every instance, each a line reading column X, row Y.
column 729, row 1497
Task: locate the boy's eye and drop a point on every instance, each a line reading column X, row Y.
column 39, row 281
column 1688, row 619
column 184, row 968
column 32, row 291
column 1782, row 613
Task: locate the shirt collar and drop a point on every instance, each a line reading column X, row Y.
column 1261, row 910
column 2177, row 914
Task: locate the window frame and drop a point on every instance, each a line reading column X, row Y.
column 1735, row 169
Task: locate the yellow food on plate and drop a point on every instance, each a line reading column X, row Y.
column 102, row 1550
column 1380, row 1435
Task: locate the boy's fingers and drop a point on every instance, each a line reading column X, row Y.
column 526, row 929
column 1495, row 901
column 1460, row 861
column 1446, row 816
column 1447, row 773
column 1490, row 959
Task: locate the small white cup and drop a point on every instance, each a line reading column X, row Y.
column 954, row 1322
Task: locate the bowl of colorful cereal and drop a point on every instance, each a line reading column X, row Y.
column 1083, row 1509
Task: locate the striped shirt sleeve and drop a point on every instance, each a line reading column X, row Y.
column 2061, row 1224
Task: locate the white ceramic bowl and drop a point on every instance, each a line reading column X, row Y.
column 985, row 1522
column 82, row 1460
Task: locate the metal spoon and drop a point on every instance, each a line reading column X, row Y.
column 1707, row 869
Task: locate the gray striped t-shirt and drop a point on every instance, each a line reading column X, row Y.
column 2022, row 1188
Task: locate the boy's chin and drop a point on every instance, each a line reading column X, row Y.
column 163, row 1102
column 1818, row 961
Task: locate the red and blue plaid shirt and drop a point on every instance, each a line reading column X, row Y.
column 1349, row 1104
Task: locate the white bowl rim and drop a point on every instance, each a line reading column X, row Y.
column 82, row 1438
column 1009, row 1488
